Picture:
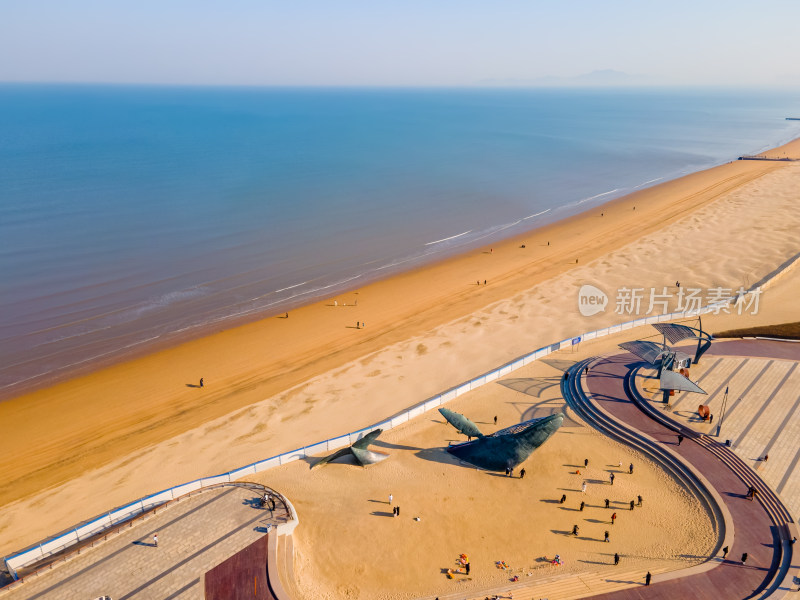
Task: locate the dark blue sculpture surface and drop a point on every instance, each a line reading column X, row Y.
column 507, row 448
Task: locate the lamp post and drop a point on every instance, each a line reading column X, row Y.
column 722, row 416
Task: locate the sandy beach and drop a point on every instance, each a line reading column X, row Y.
column 85, row 445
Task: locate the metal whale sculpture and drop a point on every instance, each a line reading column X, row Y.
column 363, row 456
column 461, row 423
column 508, row 447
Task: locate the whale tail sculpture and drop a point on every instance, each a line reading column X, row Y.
column 461, row 423
column 508, row 447
column 363, row 455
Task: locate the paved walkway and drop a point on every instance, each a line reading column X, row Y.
column 753, row 528
column 762, row 412
column 194, row 535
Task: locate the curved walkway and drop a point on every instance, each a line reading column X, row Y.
column 194, row 535
column 755, row 532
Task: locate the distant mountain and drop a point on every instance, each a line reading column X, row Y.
column 605, row 77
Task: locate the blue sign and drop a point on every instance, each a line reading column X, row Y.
column 576, row 340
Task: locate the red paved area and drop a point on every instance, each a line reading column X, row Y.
column 242, row 576
column 755, row 348
column 754, row 532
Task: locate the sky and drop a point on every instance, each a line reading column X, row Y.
column 400, row 43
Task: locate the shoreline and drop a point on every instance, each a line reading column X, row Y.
column 143, row 348
column 81, row 424
column 101, row 354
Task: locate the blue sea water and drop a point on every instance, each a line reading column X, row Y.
column 132, row 214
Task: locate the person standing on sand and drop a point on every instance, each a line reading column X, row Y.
column 563, row 499
column 680, row 439
column 201, row 382
column 647, row 578
column 744, row 558
column 631, row 504
column 612, row 478
column 605, row 537
column 724, row 552
column 630, row 469
column 522, row 473
column 582, row 505
column 155, row 540
column 495, row 419
column 583, row 487
column 585, row 462
column 607, row 503
column 613, row 517
column 639, row 500
column 616, row 558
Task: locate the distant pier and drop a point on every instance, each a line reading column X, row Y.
column 783, row 159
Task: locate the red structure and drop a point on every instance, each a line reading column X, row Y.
column 242, row 576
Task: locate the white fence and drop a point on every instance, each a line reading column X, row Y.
column 60, row 542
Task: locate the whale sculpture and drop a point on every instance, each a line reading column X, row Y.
column 363, row 456
column 507, row 448
column 461, row 423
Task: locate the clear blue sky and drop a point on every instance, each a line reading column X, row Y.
column 408, row 42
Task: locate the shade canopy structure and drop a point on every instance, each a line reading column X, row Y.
column 672, row 380
column 650, row 352
column 676, row 332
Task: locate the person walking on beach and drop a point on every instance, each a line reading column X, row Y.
column 647, row 578
column 575, row 531
column 391, row 498
column 201, row 382
column 631, row 504
column 495, row 419
column 585, row 462
column 612, row 479
column 616, row 558
column 724, row 552
column 613, row 517
column 639, row 500
column 630, row 469
column 358, row 324
column 522, row 474
column 563, row 499
column 680, row 439
column 605, row 536
column 744, row 558
column 583, row 487
column 582, row 505
column 607, row 503
column 155, row 540
column 397, row 509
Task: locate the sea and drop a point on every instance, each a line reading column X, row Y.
column 131, row 216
